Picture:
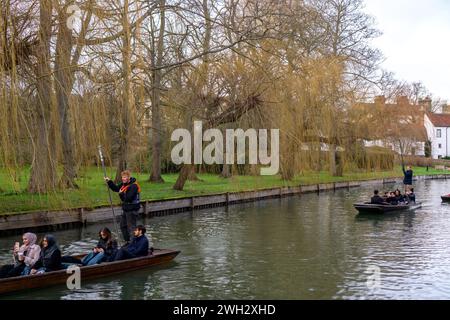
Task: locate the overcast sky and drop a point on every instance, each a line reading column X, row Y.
column 415, row 40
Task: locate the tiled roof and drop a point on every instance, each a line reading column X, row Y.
column 439, row 120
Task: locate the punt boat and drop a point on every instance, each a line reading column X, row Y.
column 155, row 257
column 385, row 208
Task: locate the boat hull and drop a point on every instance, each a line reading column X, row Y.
column 47, row 279
column 380, row 208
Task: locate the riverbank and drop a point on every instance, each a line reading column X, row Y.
column 92, row 192
column 242, row 189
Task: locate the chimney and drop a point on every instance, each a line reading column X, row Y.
column 425, row 104
column 380, row 100
column 402, row 100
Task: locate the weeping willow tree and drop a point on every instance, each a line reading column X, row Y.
column 18, row 68
column 11, row 52
column 292, row 65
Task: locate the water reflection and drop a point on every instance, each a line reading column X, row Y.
column 308, row 247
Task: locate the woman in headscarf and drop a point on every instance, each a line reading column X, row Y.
column 32, row 253
column 50, row 257
column 25, row 256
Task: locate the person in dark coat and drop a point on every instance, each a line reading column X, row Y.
column 129, row 191
column 411, row 195
column 105, row 251
column 392, row 199
column 137, row 248
column 399, row 197
column 408, row 177
column 50, row 259
column 376, row 199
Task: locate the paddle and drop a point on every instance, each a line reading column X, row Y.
column 109, row 192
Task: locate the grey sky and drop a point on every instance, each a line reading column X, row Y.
column 415, row 40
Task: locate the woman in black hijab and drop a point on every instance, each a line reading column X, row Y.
column 50, row 259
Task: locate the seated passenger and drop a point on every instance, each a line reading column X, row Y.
column 24, row 257
column 105, row 250
column 50, row 258
column 399, row 197
column 137, row 248
column 376, row 199
column 392, row 199
column 33, row 253
column 411, row 195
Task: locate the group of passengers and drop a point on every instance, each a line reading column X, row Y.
column 394, row 197
column 32, row 258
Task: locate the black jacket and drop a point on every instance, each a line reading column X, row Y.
column 376, row 199
column 408, row 176
column 109, row 248
column 130, row 198
column 138, row 246
column 50, row 257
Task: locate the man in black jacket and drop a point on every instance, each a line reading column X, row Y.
column 376, row 199
column 137, row 248
column 129, row 191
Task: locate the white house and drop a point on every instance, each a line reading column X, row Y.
column 438, row 132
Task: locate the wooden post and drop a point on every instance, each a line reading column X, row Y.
column 145, row 208
column 82, row 218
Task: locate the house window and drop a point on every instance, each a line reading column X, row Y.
column 438, row 133
column 440, row 146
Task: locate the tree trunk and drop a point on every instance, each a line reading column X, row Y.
column 63, row 88
column 226, row 171
column 43, row 169
column 193, row 175
column 156, row 103
column 332, row 161
column 226, row 168
column 186, row 169
column 182, row 177
column 126, row 105
column 205, row 69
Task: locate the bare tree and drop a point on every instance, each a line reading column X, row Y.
column 43, row 168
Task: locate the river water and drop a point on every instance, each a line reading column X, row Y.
column 302, row 247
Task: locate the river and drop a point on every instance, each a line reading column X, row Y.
column 302, row 247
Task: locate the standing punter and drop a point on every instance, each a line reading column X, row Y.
column 408, row 177
column 129, row 191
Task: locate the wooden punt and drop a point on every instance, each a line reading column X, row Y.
column 159, row 256
column 384, row 208
column 446, row 198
